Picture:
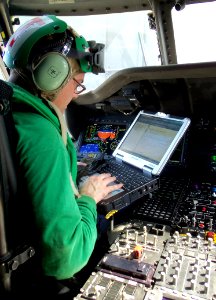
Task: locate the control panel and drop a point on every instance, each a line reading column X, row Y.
column 146, row 262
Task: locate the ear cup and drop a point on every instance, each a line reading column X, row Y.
column 51, row 72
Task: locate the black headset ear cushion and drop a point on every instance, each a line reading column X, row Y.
column 51, row 72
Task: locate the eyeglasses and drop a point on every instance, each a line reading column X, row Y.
column 79, row 88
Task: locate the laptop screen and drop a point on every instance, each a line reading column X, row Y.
column 151, row 139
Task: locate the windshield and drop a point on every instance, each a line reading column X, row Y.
column 194, row 31
column 129, row 42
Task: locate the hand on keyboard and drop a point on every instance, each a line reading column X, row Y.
column 98, row 186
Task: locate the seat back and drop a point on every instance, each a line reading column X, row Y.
column 12, row 255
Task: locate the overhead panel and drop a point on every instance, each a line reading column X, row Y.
column 75, row 7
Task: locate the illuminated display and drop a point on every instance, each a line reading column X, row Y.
column 100, row 138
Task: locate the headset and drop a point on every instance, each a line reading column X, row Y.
column 51, row 72
column 49, row 64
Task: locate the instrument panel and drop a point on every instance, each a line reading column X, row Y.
column 146, row 262
column 164, row 246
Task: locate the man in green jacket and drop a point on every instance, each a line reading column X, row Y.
column 47, row 62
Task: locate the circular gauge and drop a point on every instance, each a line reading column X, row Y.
column 113, row 145
column 103, row 146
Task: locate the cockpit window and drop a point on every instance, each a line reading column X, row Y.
column 129, row 41
column 194, row 31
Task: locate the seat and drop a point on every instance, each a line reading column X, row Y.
column 12, row 254
column 20, row 276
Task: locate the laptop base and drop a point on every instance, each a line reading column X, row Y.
column 124, row 198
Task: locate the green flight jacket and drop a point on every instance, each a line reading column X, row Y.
column 66, row 225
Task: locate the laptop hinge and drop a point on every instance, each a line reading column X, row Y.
column 147, row 171
column 119, row 157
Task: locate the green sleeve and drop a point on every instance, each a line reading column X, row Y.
column 66, row 225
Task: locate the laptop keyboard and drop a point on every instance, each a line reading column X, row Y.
column 128, row 175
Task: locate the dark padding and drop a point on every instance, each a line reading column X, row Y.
column 6, row 93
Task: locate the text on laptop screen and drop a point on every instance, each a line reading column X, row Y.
column 150, row 137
